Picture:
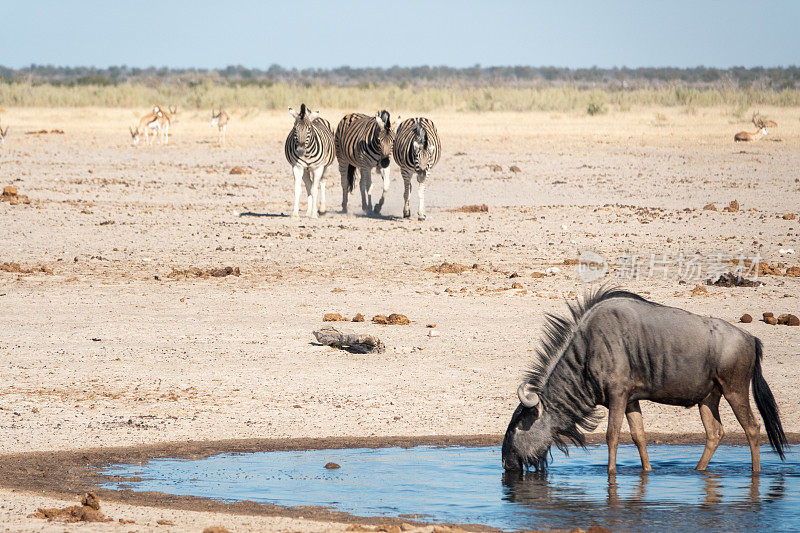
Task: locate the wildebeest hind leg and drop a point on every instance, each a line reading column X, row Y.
column 740, row 403
column 616, row 412
column 634, row 414
column 709, row 414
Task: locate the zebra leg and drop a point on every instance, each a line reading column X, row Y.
column 421, row 212
column 298, row 186
column 322, row 207
column 345, row 185
column 365, row 185
column 316, row 179
column 406, row 193
column 311, row 195
column 385, row 175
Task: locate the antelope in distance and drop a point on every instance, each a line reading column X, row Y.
column 3, row 134
column 220, row 120
column 747, row 136
column 615, row 348
column 309, row 151
column 148, row 125
column 767, row 123
column 165, row 122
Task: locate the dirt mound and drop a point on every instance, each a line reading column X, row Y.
column 448, row 268
column 18, row 269
column 88, row 511
column 477, row 208
column 729, row 279
column 733, row 207
column 12, row 196
column 194, row 272
column 237, row 170
column 44, row 132
column 334, row 317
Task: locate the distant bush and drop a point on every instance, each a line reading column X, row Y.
column 596, row 108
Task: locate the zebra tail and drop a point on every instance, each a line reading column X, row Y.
column 351, row 177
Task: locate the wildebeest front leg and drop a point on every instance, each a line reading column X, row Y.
column 385, row 176
column 406, row 193
column 365, row 186
column 709, row 414
column 616, row 413
column 634, row 414
column 740, row 403
column 298, row 188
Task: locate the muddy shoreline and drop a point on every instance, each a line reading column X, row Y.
column 63, row 474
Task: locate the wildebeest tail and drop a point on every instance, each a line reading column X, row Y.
column 765, row 402
column 351, row 177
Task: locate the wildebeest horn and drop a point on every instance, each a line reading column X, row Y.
column 527, row 396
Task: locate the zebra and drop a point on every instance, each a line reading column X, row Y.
column 364, row 142
column 309, row 151
column 416, row 150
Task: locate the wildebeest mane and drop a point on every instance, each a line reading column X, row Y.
column 574, row 403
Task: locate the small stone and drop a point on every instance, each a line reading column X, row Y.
column 709, row 207
column 331, row 466
column 516, row 285
column 515, row 169
column 358, row 318
column 789, row 216
column 9, row 190
column 771, row 320
column 793, row 271
column 380, row 319
column 333, row 317
column 746, row 319
column 793, row 321
column 733, row 207
column 767, row 315
column 396, row 319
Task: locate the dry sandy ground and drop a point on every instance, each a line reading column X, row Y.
column 111, row 350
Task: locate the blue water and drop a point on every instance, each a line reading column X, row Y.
column 468, row 486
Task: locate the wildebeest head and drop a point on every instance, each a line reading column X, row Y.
column 385, row 136
column 530, row 433
column 302, row 128
column 421, row 149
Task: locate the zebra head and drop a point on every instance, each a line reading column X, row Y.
column 302, row 128
column 384, row 137
column 422, row 151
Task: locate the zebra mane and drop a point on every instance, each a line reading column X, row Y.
column 422, row 136
column 302, row 114
column 385, row 118
column 558, row 331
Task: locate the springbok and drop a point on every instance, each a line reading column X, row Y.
column 3, row 133
column 220, row 120
column 767, row 123
column 747, row 136
column 148, row 125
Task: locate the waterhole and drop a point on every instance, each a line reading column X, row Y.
column 468, row 486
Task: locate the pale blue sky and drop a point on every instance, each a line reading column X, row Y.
column 257, row 34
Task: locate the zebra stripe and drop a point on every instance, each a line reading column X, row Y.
column 416, row 151
column 417, row 147
column 310, row 143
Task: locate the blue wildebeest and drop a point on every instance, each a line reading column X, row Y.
column 617, row 348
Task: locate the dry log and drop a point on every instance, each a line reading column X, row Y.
column 331, row 336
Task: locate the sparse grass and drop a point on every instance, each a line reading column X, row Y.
column 208, row 94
